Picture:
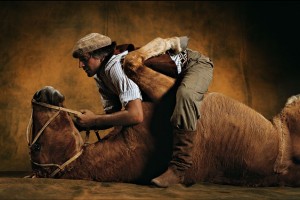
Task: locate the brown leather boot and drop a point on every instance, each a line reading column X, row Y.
column 181, row 159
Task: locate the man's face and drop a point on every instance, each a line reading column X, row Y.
column 89, row 64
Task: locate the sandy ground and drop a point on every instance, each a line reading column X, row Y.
column 13, row 186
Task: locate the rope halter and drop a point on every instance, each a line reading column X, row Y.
column 29, row 129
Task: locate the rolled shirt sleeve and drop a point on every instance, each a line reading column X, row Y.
column 125, row 87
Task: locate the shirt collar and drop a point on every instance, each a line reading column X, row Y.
column 114, row 57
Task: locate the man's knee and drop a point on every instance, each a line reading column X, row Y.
column 188, row 96
column 186, row 112
column 184, row 94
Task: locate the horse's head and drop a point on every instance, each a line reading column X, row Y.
column 54, row 138
column 292, row 117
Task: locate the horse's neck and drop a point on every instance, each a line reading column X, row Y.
column 100, row 160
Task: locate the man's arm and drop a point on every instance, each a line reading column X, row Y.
column 131, row 115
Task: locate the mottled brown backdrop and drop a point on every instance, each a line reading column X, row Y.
column 254, row 46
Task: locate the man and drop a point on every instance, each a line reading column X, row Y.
column 195, row 72
column 99, row 58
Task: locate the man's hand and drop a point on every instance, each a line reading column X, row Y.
column 86, row 119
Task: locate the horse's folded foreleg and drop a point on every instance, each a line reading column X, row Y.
column 153, row 83
column 154, row 48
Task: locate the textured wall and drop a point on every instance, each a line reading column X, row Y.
column 253, row 46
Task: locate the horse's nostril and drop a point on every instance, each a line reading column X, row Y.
column 37, row 95
column 57, row 98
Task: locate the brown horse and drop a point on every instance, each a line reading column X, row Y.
column 234, row 145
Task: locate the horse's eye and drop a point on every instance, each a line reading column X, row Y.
column 36, row 147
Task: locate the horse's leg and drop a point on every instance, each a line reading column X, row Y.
column 163, row 64
column 153, row 83
column 157, row 47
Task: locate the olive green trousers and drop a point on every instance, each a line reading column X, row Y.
column 196, row 77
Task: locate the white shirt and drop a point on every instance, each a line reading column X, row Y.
column 115, row 88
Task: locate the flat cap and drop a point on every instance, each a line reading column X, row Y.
column 90, row 43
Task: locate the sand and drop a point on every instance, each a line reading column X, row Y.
column 16, row 187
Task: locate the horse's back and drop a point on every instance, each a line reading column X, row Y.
column 230, row 133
